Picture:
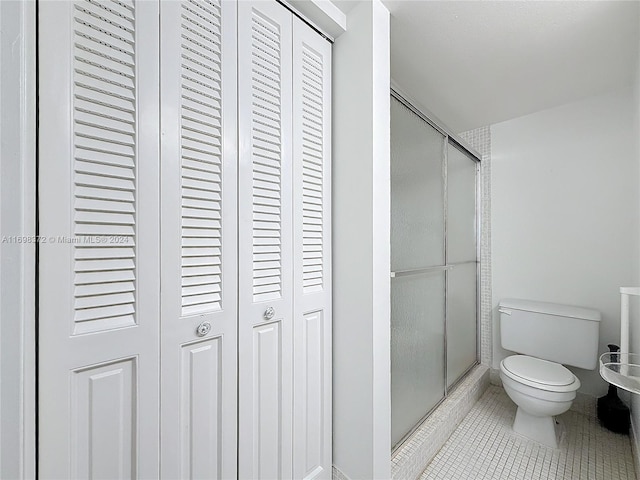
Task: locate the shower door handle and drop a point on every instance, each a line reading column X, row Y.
column 421, row 271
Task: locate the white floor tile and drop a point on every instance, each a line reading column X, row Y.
column 484, row 447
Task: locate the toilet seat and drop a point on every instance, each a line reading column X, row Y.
column 538, row 373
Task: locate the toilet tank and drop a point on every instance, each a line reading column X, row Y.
column 559, row 333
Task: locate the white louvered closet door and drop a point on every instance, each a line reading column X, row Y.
column 312, row 253
column 199, row 240
column 265, row 241
column 99, row 268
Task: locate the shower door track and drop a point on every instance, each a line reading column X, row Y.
column 407, row 102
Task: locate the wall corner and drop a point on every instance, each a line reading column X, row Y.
column 361, row 244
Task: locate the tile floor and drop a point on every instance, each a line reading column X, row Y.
column 484, row 447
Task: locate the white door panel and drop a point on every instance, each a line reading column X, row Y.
column 98, row 270
column 265, row 240
column 312, row 253
column 185, row 202
column 199, row 239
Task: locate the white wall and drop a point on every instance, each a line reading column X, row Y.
column 17, row 219
column 565, row 200
column 361, row 245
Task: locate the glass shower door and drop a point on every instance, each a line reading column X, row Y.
column 417, row 262
column 434, row 266
column 461, row 330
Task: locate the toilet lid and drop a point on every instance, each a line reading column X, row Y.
column 539, row 371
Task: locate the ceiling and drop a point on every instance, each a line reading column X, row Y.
column 476, row 63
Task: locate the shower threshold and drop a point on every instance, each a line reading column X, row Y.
column 413, row 454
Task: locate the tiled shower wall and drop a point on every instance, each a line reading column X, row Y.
column 480, row 140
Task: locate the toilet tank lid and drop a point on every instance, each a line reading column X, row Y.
column 551, row 309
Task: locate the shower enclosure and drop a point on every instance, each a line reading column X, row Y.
column 434, row 265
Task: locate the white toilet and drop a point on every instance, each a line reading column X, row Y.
column 546, row 335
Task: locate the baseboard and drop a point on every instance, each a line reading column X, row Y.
column 413, row 456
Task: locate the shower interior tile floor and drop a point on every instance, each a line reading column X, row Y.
column 484, row 447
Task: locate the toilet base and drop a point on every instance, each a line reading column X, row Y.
column 540, row 429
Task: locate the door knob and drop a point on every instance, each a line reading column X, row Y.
column 269, row 313
column 203, row 329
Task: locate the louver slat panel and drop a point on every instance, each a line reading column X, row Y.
column 104, row 112
column 201, row 152
column 312, row 274
column 265, row 233
column 199, row 160
column 312, row 171
column 266, row 155
column 98, row 205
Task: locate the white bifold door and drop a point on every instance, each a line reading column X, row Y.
column 284, row 240
column 99, row 263
column 199, row 302
column 184, row 262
